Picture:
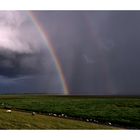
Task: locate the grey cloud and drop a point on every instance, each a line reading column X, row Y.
column 98, row 50
column 111, row 38
column 26, row 64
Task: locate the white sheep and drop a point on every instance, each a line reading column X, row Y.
column 8, row 111
column 87, row 120
column 33, row 113
column 110, row 123
column 95, row 121
column 62, row 115
column 55, row 115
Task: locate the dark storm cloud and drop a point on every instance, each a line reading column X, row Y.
column 110, row 39
column 26, row 64
column 14, row 64
column 28, row 73
column 98, row 50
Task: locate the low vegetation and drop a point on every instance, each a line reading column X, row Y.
column 123, row 112
column 24, row 120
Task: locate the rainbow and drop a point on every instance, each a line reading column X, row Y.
column 110, row 86
column 52, row 51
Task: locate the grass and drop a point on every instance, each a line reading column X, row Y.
column 124, row 112
column 23, row 120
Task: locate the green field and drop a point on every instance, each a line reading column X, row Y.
column 122, row 112
column 24, row 120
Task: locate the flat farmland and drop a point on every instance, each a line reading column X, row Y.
column 123, row 112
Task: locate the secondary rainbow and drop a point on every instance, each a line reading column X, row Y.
column 46, row 39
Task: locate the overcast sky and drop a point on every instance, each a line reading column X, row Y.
column 99, row 52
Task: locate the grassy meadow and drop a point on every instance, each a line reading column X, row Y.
column 121, row 112
column 24, row 120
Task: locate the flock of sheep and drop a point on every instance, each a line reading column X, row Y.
column 87, row 120
column 55, row 115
